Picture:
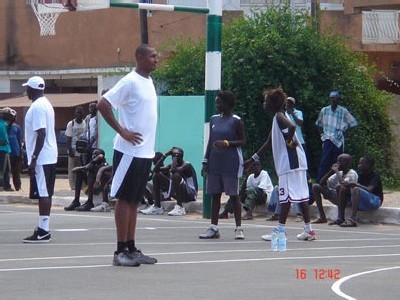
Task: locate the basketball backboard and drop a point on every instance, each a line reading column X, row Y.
column 47, row 11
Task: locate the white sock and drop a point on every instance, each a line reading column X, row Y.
column 214, row 227
column 44, row 222
column 307, row 227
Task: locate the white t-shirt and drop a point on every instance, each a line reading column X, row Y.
column 262, row 181
column 92, row 130
column 350, row 176
column 41, row 115
column 136, row 100
column 75, row 131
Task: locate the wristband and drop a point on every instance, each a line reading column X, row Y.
column 226, row 143
column 255, row 157
column 205, row 161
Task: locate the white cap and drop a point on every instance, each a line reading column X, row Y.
column 9, row 111
column 35, row 82
column 291, row 99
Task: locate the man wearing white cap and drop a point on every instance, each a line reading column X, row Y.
column 41, row 150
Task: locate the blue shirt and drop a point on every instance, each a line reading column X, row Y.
column 14, row 137
column 299, row 133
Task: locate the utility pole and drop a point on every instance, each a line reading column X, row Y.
column 315, row 8
column 144, row 32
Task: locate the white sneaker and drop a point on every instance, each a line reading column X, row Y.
column 239, row 234
column 177, row 211
column 102, row 207
column 307, row 236
column 266, row 237
column 153, row 210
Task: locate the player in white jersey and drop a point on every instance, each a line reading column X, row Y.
column 41, row 150
column 290, row 163
column 135, row 98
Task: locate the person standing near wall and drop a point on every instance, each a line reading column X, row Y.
column 136, row 100
column 41, row 149
column 15, row 140
column 4, row 152
column 223, row 162
column 75, row 129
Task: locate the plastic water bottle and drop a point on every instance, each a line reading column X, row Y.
column 282, row 241
column 274, row 240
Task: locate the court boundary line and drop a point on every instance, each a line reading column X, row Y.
column 336, row 286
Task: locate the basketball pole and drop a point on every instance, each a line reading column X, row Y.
column 213, row 61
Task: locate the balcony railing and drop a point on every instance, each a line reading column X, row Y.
column 245, row 4
column 380, row 27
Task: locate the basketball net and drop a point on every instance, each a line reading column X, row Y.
column 47, row 18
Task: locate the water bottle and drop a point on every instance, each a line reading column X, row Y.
column 274, row 240
column 282, row 241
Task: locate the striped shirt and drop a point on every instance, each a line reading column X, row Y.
column 334, row 123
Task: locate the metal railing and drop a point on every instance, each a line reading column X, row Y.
column 380, row 27
column 245, row 4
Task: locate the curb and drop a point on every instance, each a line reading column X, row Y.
column 383, row 215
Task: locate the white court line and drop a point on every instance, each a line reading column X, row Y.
column 247, row 260
column 336, row 286
column 263, row 250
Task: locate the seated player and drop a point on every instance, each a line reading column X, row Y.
column 366, row 194
column 179, row 178
column 88, row 172
column 340, row 172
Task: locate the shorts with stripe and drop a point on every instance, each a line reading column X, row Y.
column 130, row 175
column 42, row 184
column 218, row 184
column 293, row 187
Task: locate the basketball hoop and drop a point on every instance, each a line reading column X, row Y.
column 47, row 15
column 47, row 11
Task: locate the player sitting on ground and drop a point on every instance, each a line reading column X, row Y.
column 365, row 195
column 180, row 180
column 88, row 171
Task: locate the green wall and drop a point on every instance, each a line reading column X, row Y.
column 180, row 123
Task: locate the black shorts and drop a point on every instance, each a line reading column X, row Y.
column 130, row 176
column 42, row 184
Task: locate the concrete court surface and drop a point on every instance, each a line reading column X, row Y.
column 352, row 263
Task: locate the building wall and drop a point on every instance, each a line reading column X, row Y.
column 98, row 38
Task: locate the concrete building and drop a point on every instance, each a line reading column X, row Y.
column 91, row 49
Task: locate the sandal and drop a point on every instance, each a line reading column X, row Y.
column 336, row 222
column 319, row 221
column 349, row 223
column 273, row 218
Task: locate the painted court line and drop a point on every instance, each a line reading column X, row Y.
column 336, row 286
column 247, row 260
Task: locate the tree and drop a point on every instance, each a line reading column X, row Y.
column 279, row 47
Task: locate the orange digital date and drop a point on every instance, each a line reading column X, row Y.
column 318, row 274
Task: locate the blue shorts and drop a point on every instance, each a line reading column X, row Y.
column 368, row 201
column 218, row 184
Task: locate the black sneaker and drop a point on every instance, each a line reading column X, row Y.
column 124, row 259
column 39, row 236
column 142, row 258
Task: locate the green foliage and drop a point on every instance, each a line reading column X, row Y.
column 279, row 47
